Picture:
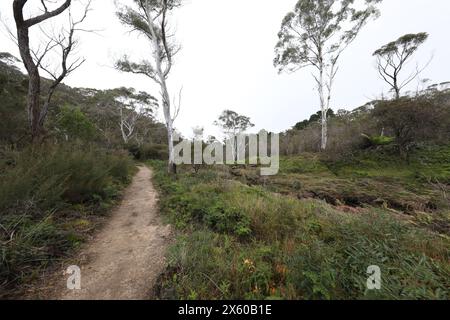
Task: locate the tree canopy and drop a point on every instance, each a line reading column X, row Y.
column 315, row 34
column 393, row 57
column 233, row 123
column 319, row 28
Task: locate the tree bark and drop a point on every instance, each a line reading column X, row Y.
column 158, row 57
column 36, row 116
column 34, row 80
column 166, row 109
column 323, row 107
column 396, row 87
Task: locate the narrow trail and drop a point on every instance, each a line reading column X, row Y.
column 126, row 257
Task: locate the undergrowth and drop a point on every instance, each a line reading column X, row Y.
column 244, row 242
column 51, row 198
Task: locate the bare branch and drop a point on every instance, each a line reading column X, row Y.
column 177, row 105
column 47, row 15
column 416, row 73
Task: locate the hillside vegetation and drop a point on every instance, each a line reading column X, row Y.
column 312, row 231
column 55, row 194
column 309, row 233
column 359, row 208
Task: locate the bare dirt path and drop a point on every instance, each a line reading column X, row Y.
column 126, row 257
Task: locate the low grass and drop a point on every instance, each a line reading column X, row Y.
column 51, row 199
column 376, row 177
column 240, row 241
column 425, row 164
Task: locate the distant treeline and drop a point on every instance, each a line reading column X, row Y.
column 401, row 123
column 115, row 119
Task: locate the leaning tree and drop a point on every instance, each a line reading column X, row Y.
column 393, row 57
column 62, row 44
column 316, row 34
column 150, row 19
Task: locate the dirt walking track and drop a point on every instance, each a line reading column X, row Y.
column 125, row 258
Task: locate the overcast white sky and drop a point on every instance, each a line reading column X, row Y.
column 228, row 49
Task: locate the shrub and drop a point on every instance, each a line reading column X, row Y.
column 155, row 151
column 37, row 187
column 290, row 248
column 413, row 121
column 376, row 141
column 149, row 152
column 306, row 163
column 325, row 258
column 188, row 205
column 74, row 124
column 52, row 175
column 28, row 244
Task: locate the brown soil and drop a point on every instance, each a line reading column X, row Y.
column 125, row 258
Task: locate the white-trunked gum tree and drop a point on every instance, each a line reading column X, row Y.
column 150, row 18
column 315, row 35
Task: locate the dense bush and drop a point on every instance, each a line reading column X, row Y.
column 345, row 134
column 187, row 205
column 377, row 141
column 48, row 195
column 51, row 175
column 149, row 151
column 291, row 248
column 414, row 121
column 93, row 115
column 410, row 121
column 12, row 106
column 327, row 259
column 315, row 118
column 73, row 124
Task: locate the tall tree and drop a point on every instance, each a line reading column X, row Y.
column 33, row 60
column 150, row 18
column 316, row 34
column 393, row 57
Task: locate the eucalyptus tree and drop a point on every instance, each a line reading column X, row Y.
column 150, row 19
column 132, row 107
column 315, row 35
column 232, row 125
column 393, row 57
column 34, row 60
column 123, row 115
